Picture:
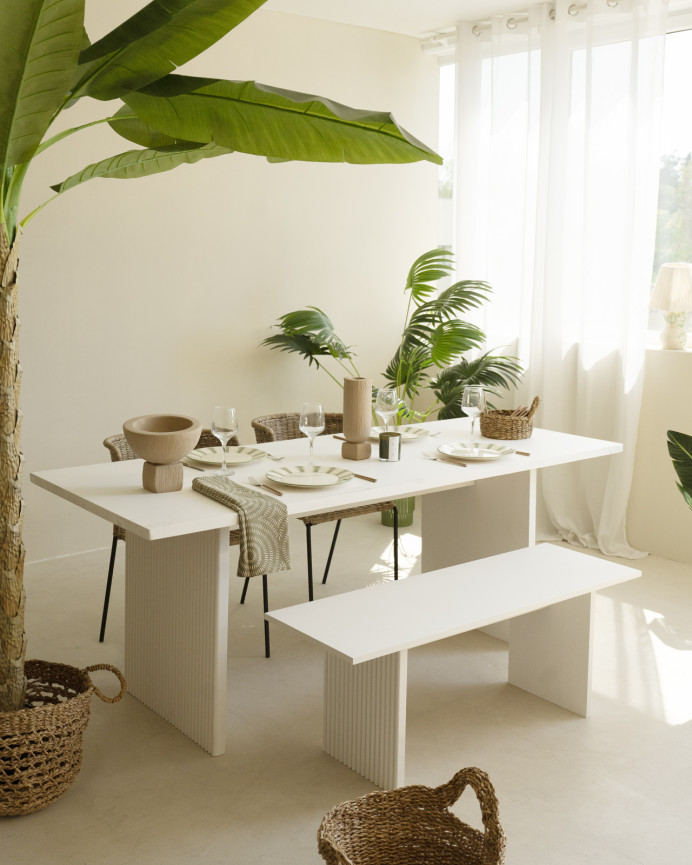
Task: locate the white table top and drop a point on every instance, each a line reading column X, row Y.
column 114, row 491
column 391, row 617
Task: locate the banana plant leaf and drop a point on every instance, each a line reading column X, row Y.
column 142, row 163
column 38, row 55
column 130, row 127
column 154, row 42
column 267, row 121
column 680, row 450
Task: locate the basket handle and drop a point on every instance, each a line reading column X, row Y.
column 479, row 782
column 116, row 672
column 534, row 405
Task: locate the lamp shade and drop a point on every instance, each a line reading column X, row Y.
column 673, row 289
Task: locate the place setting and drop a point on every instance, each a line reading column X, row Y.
column 311, row 424
column 387, row 406
column 473, row 403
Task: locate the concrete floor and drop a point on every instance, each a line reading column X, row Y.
column 614, row 789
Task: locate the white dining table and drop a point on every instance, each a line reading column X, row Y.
column 177, row 554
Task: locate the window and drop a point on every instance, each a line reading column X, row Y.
column 674, row 217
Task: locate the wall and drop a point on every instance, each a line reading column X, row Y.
column 153, row 295
column 658, row 519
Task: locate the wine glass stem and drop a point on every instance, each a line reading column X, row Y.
column 473, row 429
column 225, row 449
column 312, row 441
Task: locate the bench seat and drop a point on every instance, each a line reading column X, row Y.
column 545, row 591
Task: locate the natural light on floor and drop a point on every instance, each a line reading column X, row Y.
column 672, row 655
column 409, row 557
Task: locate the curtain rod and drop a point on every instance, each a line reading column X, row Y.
column 518, row 18
column 442, row 42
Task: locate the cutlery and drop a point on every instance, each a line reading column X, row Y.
column 196, row 468
column 272, row 457
column 341, row 438
column 522, row 453
column 257, row 483
column 440, row 460
column 365, row 478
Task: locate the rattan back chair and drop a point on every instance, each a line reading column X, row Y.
column 279, row 427
column 119, row 450
column 414, row 826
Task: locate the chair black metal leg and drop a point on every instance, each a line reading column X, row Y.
column 245, row 585
column 265, row 604
column 309, row 547
column 331, row 551
column 396, row 542
column 106, row 600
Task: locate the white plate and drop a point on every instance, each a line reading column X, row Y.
column 408, row 433
column 483, row 452
column 309, row 476
column 213, row 456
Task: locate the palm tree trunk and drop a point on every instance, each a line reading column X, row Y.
column 12, row 639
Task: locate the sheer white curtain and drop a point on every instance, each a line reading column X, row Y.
column 556, row 191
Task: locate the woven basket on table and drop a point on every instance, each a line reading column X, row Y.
column 499, row 423
column 413, row 826
column 41, row 745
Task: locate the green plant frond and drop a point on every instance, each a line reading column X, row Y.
column 38, row 54
column 451, row 339
column 154, row 42
column 493, row 372
column 407, row 370
column 267, row 121
column 298, row 344
column 142, row 163
column 463, row 296
column 315, row 325
column 429, row 267
column 680, row 450
column 429, row 330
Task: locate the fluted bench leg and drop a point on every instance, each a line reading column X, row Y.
column 365, row 716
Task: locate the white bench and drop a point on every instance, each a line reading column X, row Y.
column 544, row 590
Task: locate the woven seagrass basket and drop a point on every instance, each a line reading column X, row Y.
column 413, row 826
column 501, row 424
column 41, row 744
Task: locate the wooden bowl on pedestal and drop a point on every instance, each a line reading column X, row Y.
column 162, row 440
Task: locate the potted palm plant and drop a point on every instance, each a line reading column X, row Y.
column 429, row 356
column 47, row 63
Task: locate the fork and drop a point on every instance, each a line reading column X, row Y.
column 257, row 483
column 276, row 459
column 440, row 460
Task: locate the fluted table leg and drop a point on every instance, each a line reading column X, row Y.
column 176, row 631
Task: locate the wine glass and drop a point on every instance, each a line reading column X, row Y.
column 386, row 404
column 224, row 425
column 473, row 403
column 311, row 422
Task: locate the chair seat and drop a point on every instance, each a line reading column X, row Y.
column 233, row 536
column 345, row 513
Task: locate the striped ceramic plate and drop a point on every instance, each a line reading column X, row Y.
column 309, row 476
column 213, row 456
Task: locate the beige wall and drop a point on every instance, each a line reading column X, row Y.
column 152, row 295
column 658, row 519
